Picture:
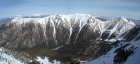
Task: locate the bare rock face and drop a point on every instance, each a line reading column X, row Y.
column 27, row 36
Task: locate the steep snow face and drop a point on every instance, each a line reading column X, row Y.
column 117, row 28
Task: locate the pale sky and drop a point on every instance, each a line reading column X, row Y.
column 109, row 8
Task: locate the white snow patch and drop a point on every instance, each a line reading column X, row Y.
column 46, row 61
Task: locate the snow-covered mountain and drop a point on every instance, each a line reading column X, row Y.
column 110, row 29
column 83, row 35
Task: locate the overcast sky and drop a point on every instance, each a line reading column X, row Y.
column 109, row 8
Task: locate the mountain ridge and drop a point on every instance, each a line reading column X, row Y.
column 73, row 24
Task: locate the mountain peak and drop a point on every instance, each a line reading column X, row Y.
column 126, row 20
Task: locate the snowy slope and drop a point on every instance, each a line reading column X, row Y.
column 108, row 58
column 6, row 59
